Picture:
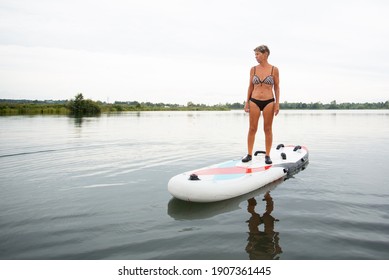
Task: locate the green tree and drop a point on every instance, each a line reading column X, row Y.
column 80, row 106
column 333, row 105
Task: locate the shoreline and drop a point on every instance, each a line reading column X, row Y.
column 26, row 107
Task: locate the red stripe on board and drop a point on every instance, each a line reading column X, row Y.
column 231, row 170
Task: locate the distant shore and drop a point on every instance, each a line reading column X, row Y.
column 61, row 107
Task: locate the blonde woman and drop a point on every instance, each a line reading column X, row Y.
column 263, row 98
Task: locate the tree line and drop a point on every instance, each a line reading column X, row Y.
column 333, row 105
column 79, row 106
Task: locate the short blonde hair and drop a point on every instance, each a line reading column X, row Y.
column 262, row 49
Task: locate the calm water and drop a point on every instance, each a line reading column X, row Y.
column 96, row 188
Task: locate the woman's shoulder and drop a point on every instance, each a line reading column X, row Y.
column 273, row 66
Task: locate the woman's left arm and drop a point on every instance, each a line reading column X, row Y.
column 277, row 91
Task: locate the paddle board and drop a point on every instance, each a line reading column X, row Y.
column 186, row 210
column 234, row 178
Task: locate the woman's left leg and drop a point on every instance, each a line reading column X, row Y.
column 268, row 115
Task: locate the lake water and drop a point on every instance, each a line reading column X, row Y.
column 96, row 188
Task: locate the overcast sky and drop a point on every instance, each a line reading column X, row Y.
column 176, row 51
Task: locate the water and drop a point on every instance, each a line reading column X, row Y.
column 96, row 188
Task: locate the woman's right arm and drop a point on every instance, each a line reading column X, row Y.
column 249, row 91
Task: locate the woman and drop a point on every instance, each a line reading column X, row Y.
column 263, row 97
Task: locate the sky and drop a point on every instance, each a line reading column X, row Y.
column 199, row 51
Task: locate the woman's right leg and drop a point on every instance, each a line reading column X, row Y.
column 254, row 118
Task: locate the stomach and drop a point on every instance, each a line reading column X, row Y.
column 263, row 92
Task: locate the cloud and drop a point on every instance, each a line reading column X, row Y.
column 45, row 72
column 201, row 51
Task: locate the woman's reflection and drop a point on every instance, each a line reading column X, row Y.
column 262, row 245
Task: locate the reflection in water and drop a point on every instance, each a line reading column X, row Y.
column 78, row 121
column 262, row 244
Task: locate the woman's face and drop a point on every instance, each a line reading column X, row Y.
column 260, row 57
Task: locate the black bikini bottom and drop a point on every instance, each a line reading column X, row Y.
column 262, row 103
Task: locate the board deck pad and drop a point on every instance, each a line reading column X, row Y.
column 234, row 178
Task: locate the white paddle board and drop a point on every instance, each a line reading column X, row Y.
column 234, row 178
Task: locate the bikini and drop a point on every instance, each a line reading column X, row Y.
column 268, row 81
